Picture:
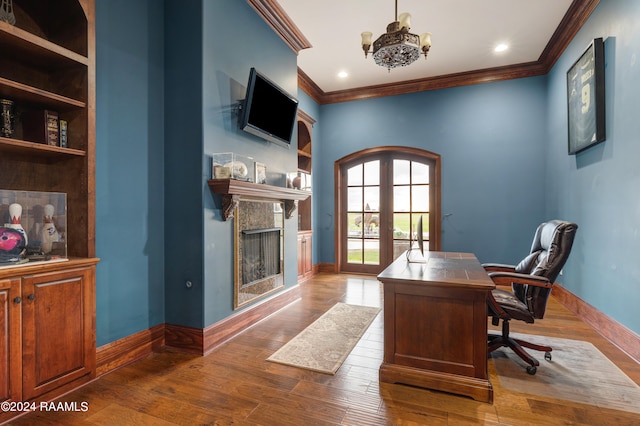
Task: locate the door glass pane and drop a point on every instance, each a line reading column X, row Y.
column 354, row 227
column 372, row 198
column 401, row 199
column 354, row 175
column 354, row 251
column 401, row 172
column 372, row 173
column 371, row 252
column 354, row 199
column 420, row 198
column 401, row 226
column 419, row 173
column 371, row 225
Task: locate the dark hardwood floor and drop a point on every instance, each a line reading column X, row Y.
column 235, row 385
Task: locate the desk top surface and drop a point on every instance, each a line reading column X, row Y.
column 439, row 268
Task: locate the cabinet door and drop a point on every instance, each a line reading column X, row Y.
column 10, row 356
column 58, row 321
column 301, row 251
column 307, row 255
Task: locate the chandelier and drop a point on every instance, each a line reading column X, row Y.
column 397, row 47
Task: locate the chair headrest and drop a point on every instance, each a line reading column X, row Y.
column 554, row 231
column 550, row 249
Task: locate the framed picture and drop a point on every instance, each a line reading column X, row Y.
column 585, row 98
column 260, row 172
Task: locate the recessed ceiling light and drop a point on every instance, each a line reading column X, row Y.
column 501, row 48
column 343, row 74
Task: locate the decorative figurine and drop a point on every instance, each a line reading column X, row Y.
column 15, row 214
column 50, row 234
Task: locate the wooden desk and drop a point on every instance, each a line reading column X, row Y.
column 435, row 324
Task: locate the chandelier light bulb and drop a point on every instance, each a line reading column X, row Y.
column 366, row 41
column 405, row 20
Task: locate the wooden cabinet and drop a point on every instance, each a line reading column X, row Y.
column 10, row 340
column 58, row 344
column 47, row 310
column 47, row 329
column 305, row 264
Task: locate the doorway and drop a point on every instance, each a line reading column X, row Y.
column 381, row 194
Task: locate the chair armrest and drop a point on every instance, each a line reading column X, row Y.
column 506, row 278
column 498, row 267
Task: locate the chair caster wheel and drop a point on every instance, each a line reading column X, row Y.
column 547, row 356
column 532, row 370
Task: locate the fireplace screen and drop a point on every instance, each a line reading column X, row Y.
column 260, row 254
column 259, row 259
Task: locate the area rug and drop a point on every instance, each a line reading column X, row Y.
column 577, row 372
column 325, row 344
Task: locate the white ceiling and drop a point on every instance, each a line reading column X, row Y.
column 464, row 33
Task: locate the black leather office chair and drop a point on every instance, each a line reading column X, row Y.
column 531, row 282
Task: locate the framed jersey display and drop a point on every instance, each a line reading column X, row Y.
column 585, row 97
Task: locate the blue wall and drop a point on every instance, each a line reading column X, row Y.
column 226, row 62
column 166, row 86
column 599, row 188
column 129, row 169
column 206, row 77
column 492, row 141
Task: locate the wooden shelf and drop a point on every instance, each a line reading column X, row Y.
column 36, row 50
column 303, row 154
column 32, row 95
column 233, row 190
column 32, row 148
column 255, row 190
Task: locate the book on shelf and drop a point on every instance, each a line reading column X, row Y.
column 41, row 126
column 63, row 133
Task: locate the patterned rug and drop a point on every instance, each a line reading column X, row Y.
column 324, row 345
column 577, row 372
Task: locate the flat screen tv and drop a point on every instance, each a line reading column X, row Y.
column 268, row 111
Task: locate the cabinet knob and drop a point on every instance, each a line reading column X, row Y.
column 17, row 300
column 31, row 296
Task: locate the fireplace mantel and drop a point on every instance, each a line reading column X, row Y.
column 233, row 190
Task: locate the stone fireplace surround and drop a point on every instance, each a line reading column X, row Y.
column 240, row 196
column 253, row 218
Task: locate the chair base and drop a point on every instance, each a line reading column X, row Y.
column 498, row 341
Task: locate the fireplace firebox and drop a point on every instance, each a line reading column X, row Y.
column 258, row 251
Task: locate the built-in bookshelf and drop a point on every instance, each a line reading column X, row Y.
column 48, row 64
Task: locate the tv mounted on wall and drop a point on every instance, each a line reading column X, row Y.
column 268, row 111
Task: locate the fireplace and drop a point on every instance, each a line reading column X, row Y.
column 260, row 254
column 258, row 251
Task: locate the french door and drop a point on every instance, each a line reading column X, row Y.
column 381, row 195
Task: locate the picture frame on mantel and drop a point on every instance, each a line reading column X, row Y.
column 586, row 99
column 260, row 173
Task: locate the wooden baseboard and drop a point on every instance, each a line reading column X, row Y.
column 131, row 348
column 203, row 341
column 116, row 354
column 327, row 267
column 218, row 333
column 616, row 333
